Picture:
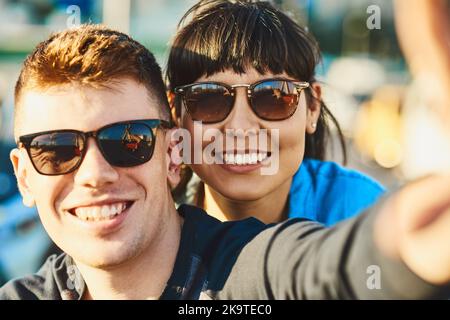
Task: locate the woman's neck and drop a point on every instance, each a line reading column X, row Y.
column 270, row 209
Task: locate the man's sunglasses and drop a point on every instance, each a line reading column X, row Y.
column 122, row 144
column 270, row 99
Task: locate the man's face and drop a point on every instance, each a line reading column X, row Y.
column 141, row 194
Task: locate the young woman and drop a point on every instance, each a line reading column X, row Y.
column 244, row 66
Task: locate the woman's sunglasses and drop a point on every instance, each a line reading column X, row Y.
column 122, row 144
column 270, row 99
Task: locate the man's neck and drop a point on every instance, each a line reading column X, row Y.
column 270, row 209
column 142, row 277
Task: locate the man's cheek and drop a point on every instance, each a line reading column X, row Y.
column 45, row 196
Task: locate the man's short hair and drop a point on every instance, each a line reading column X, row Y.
column 90, row 55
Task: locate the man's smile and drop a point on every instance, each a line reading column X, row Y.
column 99, row 212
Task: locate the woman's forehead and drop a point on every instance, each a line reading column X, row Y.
column 230, row 76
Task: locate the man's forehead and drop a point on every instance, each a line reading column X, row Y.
column 84, row 107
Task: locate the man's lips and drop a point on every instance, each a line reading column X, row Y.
column 100, row 211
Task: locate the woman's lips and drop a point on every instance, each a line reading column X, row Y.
column 249, row 158
column 244, row 162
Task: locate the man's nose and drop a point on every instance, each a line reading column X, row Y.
column 95, row 171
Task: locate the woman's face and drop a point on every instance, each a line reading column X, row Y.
column 243, row 179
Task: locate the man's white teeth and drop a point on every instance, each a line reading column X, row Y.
column 97, row 213
column 244, row 159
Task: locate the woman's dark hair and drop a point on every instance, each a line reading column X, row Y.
column 217, row 35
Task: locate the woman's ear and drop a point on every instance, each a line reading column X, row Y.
column 314, row 108
column 171, row 97
column 18, row 160
column 173, row 158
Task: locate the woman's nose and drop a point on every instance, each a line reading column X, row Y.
column 242, row 116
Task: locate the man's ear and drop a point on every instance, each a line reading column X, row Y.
column 314, row 108
column 173, row 158
column 19, row 162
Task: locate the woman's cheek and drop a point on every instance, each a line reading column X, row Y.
column 292, row 149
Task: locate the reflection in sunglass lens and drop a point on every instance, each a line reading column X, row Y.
column 274, row 100
column 126, row 145
column 56, row 153
column 208, row 102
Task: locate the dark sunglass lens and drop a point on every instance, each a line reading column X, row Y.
column 275, row 100
column 208, row 102
column 56, row 153
column 127, row 145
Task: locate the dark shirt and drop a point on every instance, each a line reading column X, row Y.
column 297, row 259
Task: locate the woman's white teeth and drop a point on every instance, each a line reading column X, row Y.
column 244, row 159
column 97, row 213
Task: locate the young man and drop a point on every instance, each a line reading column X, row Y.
column 94, row 156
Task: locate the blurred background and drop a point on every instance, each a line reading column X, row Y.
column 384, row 64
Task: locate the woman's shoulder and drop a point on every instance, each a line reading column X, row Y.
column 328, row 173
column 327, row 192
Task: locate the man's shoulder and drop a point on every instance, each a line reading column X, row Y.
column 39, row 286
column 209, row 230
column 208, row 250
